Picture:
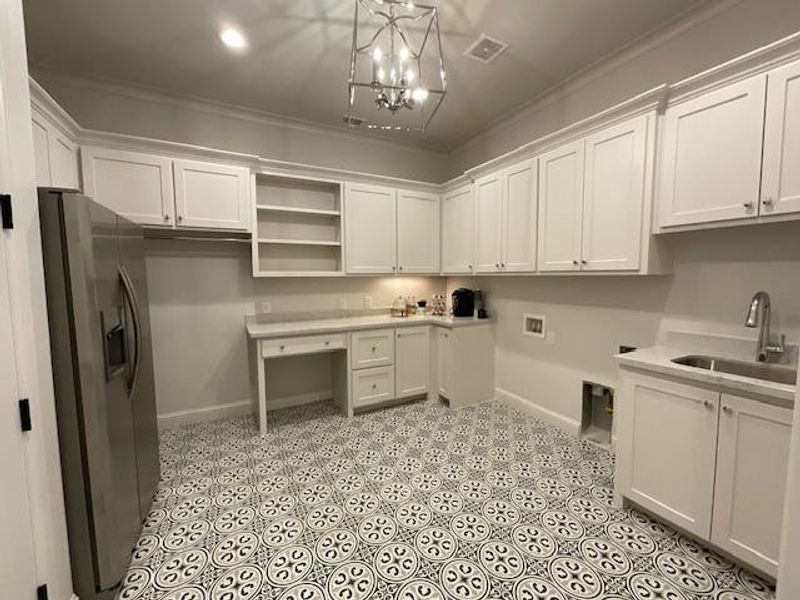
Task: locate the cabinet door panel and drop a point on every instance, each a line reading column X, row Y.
column 488, row 222
column 519, row 217
column 136, row 186
column 614, row 197
column 561, row 208
column 417, row 233
column 63, row 161
column 752, row 463
column 444, row 362
column 211, row 196
column 711, row 159
column 458, row 231
column 370, row 229
column 668, row 437
column 41, row 151
column 781, row 184
column 412, row 361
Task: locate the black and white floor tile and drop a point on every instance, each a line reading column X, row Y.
column 415, row 502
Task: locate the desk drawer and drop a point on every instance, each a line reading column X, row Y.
column 307, row 344
column 374, row 348
column 372, row 386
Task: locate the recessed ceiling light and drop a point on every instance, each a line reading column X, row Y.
column 233, row 38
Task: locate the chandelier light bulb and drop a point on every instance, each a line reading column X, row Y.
column 377, row 54
column 409, row 76
column 404, row 54
column 420, row 94
column 381, row 75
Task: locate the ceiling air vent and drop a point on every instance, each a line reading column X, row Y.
column 485, row 49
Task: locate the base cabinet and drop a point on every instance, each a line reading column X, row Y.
column 711, row 463
column 412, row 366
column 465, row 364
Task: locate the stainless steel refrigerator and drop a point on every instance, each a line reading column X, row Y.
column 103, row 377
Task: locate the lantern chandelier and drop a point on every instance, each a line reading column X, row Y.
column 397, row 78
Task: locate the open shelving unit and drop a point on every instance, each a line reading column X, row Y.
column 297, row 227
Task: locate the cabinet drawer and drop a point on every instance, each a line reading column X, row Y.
column 303, row 344
column 373, row 386
column 372, row 348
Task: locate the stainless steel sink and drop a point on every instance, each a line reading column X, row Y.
column 764, row 371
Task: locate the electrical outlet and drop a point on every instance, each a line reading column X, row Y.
column 266, row 307
column 342, row 302
column 551, row 338
column 367, row 301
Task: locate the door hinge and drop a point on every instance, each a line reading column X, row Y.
column 5, row 211
column 25, row 414
column 41, row 592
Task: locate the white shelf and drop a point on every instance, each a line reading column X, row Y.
column 298, row 242
column 301, row 211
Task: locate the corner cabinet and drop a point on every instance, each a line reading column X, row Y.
column 711, row 463
column 159, row 191
column 592, row 198
column 505, row 214
column 390, row 231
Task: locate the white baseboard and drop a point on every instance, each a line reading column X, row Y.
column 543, row 414
column 205, row 413
column 234, row 409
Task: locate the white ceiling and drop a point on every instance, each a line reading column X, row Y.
column 298, row 57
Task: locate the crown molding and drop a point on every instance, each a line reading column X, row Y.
column 649, row 101
column 760, row 60
column 695, row 15
column 46, row 104
column 252, row 115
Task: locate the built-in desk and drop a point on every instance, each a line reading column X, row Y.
column 379, row 358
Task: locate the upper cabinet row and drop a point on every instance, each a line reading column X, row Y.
column 166, row 192
column 732, row 154
column 581, row 206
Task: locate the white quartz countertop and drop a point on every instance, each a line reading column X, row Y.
column 658, row 359
column 278, row 328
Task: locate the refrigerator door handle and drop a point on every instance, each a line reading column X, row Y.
column 130, row 294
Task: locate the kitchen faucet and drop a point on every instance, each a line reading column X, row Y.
column 760, row 304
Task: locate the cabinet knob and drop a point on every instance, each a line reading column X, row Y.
column 727, row 410
column 180, row 218
column 374, row 348
column 708, row 403
column 767, row 201
column 166, row 218
column 469, row 267
column 503, row 265
column 400, row 268
column 327, row 343
column 583, row 262
column 496, row 265
column 748, row 205
column 575, row 262
column 374, row 386
column 283, row 347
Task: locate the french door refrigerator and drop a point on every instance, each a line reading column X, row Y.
column 103, row 378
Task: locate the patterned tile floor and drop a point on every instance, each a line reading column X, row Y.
column 411, row 502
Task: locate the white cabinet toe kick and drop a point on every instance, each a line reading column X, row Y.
column 375, row 366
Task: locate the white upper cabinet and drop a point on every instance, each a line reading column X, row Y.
column 458, row 231
column 417, row 232
column 55, row 154
column 211, row 196
column 519, row 218
column 780, row 188
column 711, row 155
column 370, row 229
column 561, row 207
column 752, row 462
column 135, row 185
column 614, row 197
column 489, row 223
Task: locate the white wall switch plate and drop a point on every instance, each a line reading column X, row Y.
column 367, row 301
column 266, row 307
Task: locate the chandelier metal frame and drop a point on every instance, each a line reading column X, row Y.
column 397, row 96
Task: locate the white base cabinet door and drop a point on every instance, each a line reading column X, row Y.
column 134, row 185
column 458, row 231
column 780, row 187
column 752, row 462
column 412, row 361
column 370, row 229
column 668, row 444
column 211, row 196
column 711, row 155
column 417, row 232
